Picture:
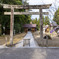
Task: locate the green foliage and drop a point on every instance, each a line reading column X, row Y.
column 46, row 20
column 1, row 10
column 56, row 16
column 17, row 27
column 18, row 2
column 19, row 20
column 37, row 22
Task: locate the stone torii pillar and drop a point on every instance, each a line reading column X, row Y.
column 11, row 25
column 41, row 27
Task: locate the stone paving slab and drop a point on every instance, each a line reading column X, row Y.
column 32, row 41
column 29, row 53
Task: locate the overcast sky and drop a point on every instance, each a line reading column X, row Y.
column 52, row 9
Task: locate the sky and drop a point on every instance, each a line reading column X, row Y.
column 51, row 10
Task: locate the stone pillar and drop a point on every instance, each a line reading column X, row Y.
column 11, row 25
column 41, row 27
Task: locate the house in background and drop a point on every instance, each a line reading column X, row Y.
column 29, row 27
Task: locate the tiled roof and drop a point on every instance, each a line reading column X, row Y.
column 29, row 25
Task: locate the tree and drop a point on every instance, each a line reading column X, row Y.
column 20, row 20
column 24, row 2
column 56, row 16
column 37, row 22
column 46, row 20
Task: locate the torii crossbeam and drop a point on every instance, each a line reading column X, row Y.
column 27, row 6
column 26, row 13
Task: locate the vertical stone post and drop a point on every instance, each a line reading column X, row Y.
column 11, row 25
column 41, row 27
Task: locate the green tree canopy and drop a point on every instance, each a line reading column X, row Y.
column 46, row 20
column 56, row 16
column 37, row 22
column 19, row 20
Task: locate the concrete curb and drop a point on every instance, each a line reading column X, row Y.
column 2, row 47
column 42, row 47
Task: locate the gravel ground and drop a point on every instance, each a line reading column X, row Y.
column 54, row 42
column 17, row 38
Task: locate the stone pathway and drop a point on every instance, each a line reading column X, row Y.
column 32, row 41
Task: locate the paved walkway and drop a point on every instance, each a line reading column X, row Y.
column 29, row 53
column 32, row 41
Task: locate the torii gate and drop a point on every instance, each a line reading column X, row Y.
column 12, row 13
